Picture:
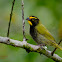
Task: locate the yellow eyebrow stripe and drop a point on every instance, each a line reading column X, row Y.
column 32, row 17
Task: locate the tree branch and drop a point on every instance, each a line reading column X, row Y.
column 30, row 48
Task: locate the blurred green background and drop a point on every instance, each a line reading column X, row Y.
column 50, row 14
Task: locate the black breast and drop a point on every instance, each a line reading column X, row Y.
column 36, row 36
column 33, row 32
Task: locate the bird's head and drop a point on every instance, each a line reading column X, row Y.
column 33, row 20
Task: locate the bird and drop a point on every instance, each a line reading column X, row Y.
column 40, row 34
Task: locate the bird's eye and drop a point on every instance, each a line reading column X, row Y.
column 33, row 19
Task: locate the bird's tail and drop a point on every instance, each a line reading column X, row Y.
column 57, row 46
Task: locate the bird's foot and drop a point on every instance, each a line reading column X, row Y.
column 27, row 39
column 42, row 46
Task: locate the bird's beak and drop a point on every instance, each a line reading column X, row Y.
column 29, row 21
column 28, row 18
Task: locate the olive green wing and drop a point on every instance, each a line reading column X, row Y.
column 43, row 31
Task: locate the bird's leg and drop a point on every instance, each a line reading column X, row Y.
column 41, row 45
column 55, row 48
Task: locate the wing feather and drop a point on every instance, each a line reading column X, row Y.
column 43, row 31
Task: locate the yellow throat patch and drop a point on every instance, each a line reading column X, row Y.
column 30, row 23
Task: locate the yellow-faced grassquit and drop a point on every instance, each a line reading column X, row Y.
column 40, row 34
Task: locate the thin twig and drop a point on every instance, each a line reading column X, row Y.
column 23, row 20
column 55, row 48
column 10, row 18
